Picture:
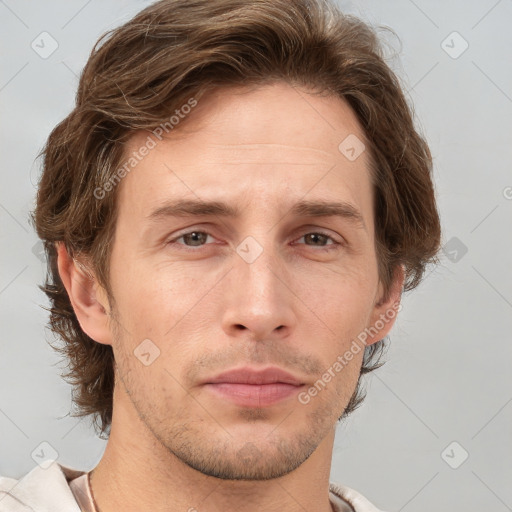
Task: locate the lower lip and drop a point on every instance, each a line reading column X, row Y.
column 254, row 395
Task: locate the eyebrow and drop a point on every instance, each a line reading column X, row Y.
column 197, row 208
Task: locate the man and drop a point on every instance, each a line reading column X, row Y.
column 231, row 214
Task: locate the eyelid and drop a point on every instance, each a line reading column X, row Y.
column 306, row 231
column 189, row 229
column 321, row 231
column 184, row 233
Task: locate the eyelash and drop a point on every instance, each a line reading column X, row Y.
column 335, row 245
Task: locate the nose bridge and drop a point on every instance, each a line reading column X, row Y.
column 259, row 298
column 258, row 266
column 257, row 250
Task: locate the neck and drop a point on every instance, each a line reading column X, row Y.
column 137, row 473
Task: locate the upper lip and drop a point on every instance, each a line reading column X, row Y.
column 254, row 376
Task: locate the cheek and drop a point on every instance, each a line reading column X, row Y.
column 342, row 301
column 333, row 389
column 344, row 308
column 165, row 304
column 145, row 294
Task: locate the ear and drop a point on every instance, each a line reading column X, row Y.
column 386, row 309
column 88, row 298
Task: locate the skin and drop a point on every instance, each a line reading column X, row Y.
column 175, row 445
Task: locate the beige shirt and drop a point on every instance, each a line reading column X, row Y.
column 59, row 488
column 342, row 498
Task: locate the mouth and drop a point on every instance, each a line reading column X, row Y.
column 247, row 387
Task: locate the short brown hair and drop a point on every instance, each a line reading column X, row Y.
column 174, row 50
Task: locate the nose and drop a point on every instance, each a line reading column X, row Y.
column 258, row 300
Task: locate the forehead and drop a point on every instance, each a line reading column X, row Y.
column 259, row 114
column 246, row 143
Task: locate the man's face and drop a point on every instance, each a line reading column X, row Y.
column 270, row 288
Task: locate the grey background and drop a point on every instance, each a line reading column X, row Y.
column 448, row 375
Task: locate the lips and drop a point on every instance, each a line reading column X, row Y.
column 249, row 387
column 256, row 377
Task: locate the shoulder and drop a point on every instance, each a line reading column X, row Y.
column 40, row 489
column 356, row 500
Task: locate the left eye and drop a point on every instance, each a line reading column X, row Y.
column 194, row 236
column 319, row 236
column 198, row 238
